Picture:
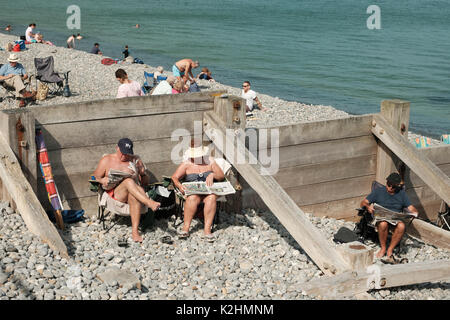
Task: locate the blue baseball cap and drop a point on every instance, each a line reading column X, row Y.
column 125, row 146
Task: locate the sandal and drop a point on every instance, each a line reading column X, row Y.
column 392, row 260
column 209, row 237
column 182, row 234
column 166, row 240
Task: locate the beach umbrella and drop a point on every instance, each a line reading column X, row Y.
column 50, row 186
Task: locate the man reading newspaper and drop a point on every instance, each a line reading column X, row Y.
column 394, row 198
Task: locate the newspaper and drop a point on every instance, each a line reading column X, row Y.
column 115, row 177
column 382, row 213
column 218, row 188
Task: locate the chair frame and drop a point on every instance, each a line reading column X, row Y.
column 56, row 86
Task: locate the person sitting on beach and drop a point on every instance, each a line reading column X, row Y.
column 29, row 35
column 39, row 38
column 13, row 75
column 250, row 98
column 71, row 42
column 95, row 49
column 198, row 166
column 127, row 88
column 129, row 190
column 183, row 69
column 205, row 75
column 164, row 86
column 159, row 71
column 179, row 87
column 394, row 198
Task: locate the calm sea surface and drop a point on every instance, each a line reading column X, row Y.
column 313, row 51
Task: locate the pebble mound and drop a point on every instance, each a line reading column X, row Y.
column 254, row 257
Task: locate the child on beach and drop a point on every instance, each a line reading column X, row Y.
column 125, row 53
column 205, row 75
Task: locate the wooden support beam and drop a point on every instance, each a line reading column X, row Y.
column 396, row 113
column 276, row 199
column 437, row 180
column 27, row 203
column 429, row 233
column 351, row 283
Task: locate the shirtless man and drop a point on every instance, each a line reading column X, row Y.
column 183, row 68
column 129, row 190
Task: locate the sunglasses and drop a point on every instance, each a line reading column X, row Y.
column 245, row 85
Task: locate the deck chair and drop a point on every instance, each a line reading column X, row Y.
column 149, row 82
column 179, row 212
column 46, row 74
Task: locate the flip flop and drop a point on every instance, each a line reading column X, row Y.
column 166, row 239
column 122, row 242
column 391, row 260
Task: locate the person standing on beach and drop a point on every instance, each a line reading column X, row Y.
column 183, row 69
column 250, row 97
column 127, row 88
column 96, row 50
column 125, row 53
column 71, row 42
column 29, row 35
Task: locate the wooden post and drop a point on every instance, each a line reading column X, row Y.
column 357, row 255
column 396, row 113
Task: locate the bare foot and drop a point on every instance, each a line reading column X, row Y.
column 136, row 237
column 381, row 253
column 154, row 205
column 389, row 252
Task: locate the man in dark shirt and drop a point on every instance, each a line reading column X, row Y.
column 125, row 52
column 394, row 198
column 95, row 49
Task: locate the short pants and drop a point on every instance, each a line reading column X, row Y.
column 177, row 72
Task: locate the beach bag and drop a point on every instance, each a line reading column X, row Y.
column 108, row 61
column 363, row 229
column 69, row 216
column 139, row 61
column 16, row 48
column 21, row 43
column 194, row 88
column 345, row 235
column 42, row 91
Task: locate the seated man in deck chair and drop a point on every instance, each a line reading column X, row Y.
column 394, row 198
column 128, row 190
column 198, row 167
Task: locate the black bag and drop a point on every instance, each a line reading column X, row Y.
column 194, row 88
column 345, row 235
column 362, row 228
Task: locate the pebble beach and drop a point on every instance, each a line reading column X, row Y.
column 254, row 257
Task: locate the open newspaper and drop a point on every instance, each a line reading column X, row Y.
column 218, row 188
column 381, row 213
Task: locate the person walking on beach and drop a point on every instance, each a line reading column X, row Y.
column 183, row 69
column 13, row 74
column 71, row 42
column 29, row 34
column 96, row 50
column 250, row 97
column 127, row 88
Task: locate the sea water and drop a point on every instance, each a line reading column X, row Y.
column 312, row 51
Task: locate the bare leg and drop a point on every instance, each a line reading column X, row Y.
column 396, row 237
column 190, row 208
column 135, row 214
column 382, row 236
column 129, row 186
column 209, row 211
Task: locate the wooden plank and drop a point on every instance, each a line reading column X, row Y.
column 411, row 179
column 108, row 131
column 326, row 171
column 349, row 283
column 429, row 233
column 339, row 209
column 28, row 205
column 416, row 161
column 85, row 159
column 282, row 206
column 438, row 154
column 314, row 153
column 329, row 191
column 396, row 113
column 316, row 131
column 114, row 108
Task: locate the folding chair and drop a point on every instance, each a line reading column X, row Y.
column 179, row 212
column 46, row 74
column 149, row 82
column 160, row 78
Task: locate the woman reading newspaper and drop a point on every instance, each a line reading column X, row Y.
column 198, row 167
column 383, row 203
